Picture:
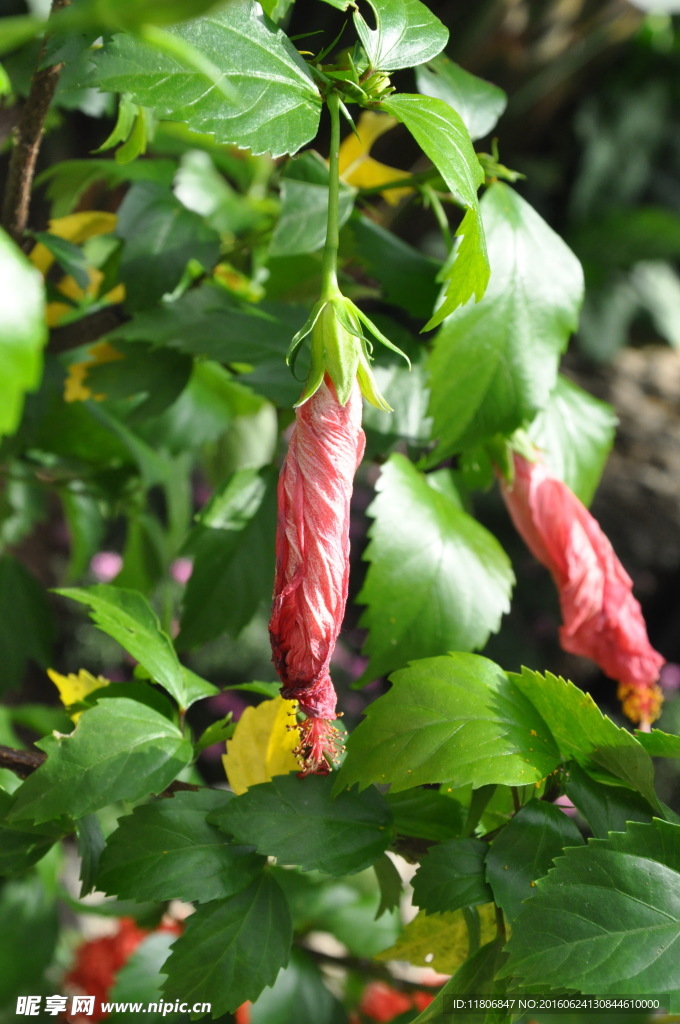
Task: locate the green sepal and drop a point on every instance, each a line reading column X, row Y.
column 307, row 328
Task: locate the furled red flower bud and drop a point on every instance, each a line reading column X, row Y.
column 602, row 619
column 312, row 560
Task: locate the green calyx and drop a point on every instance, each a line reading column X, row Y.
column 340, row 348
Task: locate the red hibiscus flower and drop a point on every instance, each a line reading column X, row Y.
column 601, row 618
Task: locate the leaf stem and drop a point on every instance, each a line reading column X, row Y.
column 329, row 274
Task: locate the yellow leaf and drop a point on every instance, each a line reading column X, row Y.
column 361, row 170
column 75, row 389
column 74, row 688
column 262, row 745
column 440, row 941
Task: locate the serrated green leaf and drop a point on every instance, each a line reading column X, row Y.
column 231, row 949
column 301, row 226
column 451, row 876
column 22, row 845
column 296, row 821
column 407, row 34
column 391, row 885
column 426, row 814
column 138, row 980
column 90, row 846
column 456, row 718
column 659, row 744
column 479, row 103
column 23, row 332
column 298, row 994
column 437, row 581
column 160, row 237
column 575, row 433
column 606, row 918
column 29, row 914
column 494, row 364
column 22, row 601
column 476, row 977
column 119, row 750
column 605, row 807
column 128, row 617
column 584, row 734
column 233, row 558
column 166, row 850
column 273, row 104
column 524, row 850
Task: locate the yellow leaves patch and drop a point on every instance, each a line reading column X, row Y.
column 262, row 745
column 75, row 389
column 75, row 228
column 74, row 688
column 440, row 941
column 361, row 170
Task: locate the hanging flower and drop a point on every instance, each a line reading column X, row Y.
column 312, row 561
column 601, row 618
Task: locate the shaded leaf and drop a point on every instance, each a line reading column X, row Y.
column 605, row 807
column 426, row 814
column 476, row 977
column 391, row 885
column 298, row 994
column 301, row 226
column 450, row 718
column 437, row 581
column 296, row 821
column 22, row 601
column 439, row 941
column 451, row 876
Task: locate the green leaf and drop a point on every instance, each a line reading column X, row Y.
column 134, row 14
column 29, row 914
column 22, row 602
column 391, row 885
column 476, row 977
column 659, row 744
column 606, row 808
column 22, row 845
column 407, row 278
column 494, row 364
column 17, row 30
column 138, row 980
column 160, row 236
column 166, row 850
column 23, row 332
column 439, row 941
column 272, row 103
column 575, row 433
column 407, row 34
column 584, row 734
column 90, row 846
column 437, row 581
column 85, row 525
column 524, row 850
column 231, row 949
column 296, row 821
column 119, row 750
column 159, row 376
column 455, row 718
column 233, row 549
column 299, row 995
column 426, row 814
column 70, row 257
column 451, row 876
column 479, row 103
column 606, row 919
column 301, row 226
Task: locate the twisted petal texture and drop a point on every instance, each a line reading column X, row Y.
column 601, row 618
column 312, row 546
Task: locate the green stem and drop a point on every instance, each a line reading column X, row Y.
column 329, row 288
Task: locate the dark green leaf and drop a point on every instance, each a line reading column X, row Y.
column 438, row 581
column 524, row 850
column 426, row 814
column 476, row 977
column 22, row 601
column 605, row 807
column 22, row 331
column 296, row 821
column 68, row 180
column 479, row 103
column 203, row 189
column 575, row 433
column 119, row 750
column 160, row 236
column 90, row 846
column 233, row 549
column 584, row 734
column 22, row 845
column 301, row 226
column 166, row 850
column 451, row 876
column 606, row 919
column 139, row 980
column 160, row 376
column 391, row 885
column 407, row 34
column 494, row 364
column 86, row 527
column 450, row 718
column 271, row 102
column 128, row 617
column 70, row 257
column 231, row 949
column 299, row 995
column 29, row 915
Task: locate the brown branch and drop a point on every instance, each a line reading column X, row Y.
column 27, row 138
column 88, row 329
column 21, row 762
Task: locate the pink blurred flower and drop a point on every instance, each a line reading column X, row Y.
column 181, row 569
column 602, row 619
column 312, row 560
column 105, row 565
